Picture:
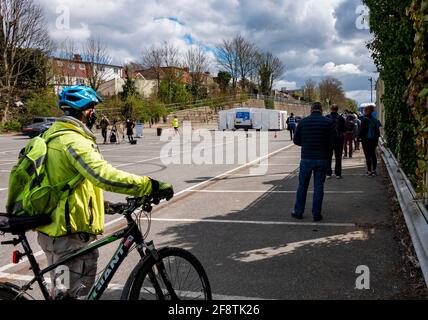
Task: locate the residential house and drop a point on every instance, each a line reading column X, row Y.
column 67, row 72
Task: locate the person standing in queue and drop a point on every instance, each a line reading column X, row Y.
column 315, row 134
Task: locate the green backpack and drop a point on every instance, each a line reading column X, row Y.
column 30, row 191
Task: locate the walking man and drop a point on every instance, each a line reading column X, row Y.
column 349, row 136
column 292, row 124
column 315, row 134
column 175, row 125
column 339, row 130
column 104, row 123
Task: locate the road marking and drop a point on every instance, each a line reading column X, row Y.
column 118, row 220
column 271, row 191
column 267, row 223
column 113, row 222
column 3, row 189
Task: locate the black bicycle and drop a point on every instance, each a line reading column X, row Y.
column 164, row 274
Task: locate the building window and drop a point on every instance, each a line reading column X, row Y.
column 60, row 64
column 72, row 66
column 82, row 66
column 116, row 71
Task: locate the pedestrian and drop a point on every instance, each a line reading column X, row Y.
column 357, row 132
column 339, row 128
column 175, row 125
column 130, row 130
column 369, row 135
column 349, row 136
column 292, row 124
column 315, row 134
column 104, row 123
column 114, row 138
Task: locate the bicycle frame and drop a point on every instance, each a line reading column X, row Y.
column 130, row 235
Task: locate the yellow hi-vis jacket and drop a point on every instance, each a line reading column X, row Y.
column 175, row 123
column 74, row 153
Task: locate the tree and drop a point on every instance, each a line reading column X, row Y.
column 331, row 92
column 129, row 89
column 392, row 47
column 22, row 30
column 310, row 91
column 270, row 69
column 224, row 80
column 197, row 62
column 351, row 105
column 66, row 51
column 96, row 57
column 239, row 58
column 152, row 59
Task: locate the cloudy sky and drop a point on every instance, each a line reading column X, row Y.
column 313, row 38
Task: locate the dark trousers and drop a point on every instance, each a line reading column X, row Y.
column 292, row 133
column 104, row 133
column 319, row 170
column 369, row 147
column 337, row 151
column 349, row 143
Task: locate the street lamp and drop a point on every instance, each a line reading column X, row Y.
column 371, row 88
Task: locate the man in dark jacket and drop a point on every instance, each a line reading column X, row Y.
column 315, row 135
column 339, row 127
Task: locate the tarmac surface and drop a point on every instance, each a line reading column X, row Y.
column 239, row 225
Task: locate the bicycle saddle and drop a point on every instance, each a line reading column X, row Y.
column 19, row 225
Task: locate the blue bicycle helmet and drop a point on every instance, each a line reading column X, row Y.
column 78, row 98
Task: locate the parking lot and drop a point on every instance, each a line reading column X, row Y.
column 239, row 225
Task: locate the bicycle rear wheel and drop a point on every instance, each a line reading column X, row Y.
column 178, row 276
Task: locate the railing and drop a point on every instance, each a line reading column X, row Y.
column 278, row 99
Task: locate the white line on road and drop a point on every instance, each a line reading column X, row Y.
column 118, row 220
column 268, row 223
column 3, row 189
column 271, row 191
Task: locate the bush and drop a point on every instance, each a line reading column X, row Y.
column 13, row 125
column 269, row 104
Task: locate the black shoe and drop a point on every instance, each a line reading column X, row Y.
column 318, row 219
column 297, row 216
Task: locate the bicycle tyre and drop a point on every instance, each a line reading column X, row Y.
column 140, row 277
column 9, row 293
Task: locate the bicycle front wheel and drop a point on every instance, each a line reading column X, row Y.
column 177, row 276
column 9, row 293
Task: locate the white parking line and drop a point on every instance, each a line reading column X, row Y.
column 118, row 220
column 271, row 191
column 266, row 223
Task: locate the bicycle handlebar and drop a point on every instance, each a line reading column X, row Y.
column 132, row 204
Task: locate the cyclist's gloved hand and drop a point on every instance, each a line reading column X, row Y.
column 113, row 208
column 162, row 190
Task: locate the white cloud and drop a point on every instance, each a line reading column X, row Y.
column 290, row 85
column 361, row 96
column 302, row 33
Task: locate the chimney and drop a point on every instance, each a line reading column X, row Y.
column 77, row 57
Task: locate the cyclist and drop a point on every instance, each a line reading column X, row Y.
column 79, row 217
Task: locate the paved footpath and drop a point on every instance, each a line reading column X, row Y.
column 240, row 227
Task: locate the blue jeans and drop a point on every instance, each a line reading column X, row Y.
column 319, row 168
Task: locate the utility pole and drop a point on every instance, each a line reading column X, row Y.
column 371, row 88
